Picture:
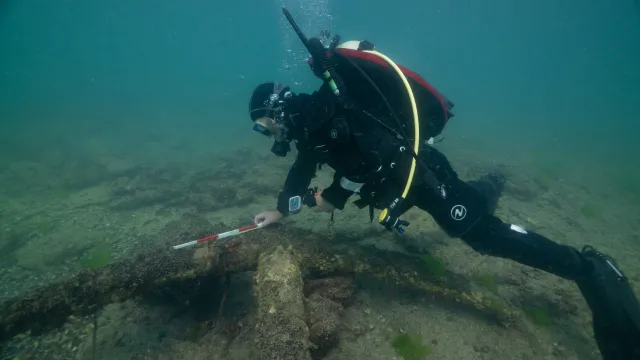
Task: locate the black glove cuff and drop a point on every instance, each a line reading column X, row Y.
column 336, row 195
column 283, row 203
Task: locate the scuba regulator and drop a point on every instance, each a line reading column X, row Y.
column 280, row 148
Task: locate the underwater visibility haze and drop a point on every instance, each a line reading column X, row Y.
column 125, row 130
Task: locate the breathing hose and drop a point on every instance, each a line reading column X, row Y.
column 416, row 126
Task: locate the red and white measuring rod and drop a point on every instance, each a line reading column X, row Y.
column 219, row 236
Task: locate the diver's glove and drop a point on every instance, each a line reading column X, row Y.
column 615, row 308
column 390, row 217
column 310, row 196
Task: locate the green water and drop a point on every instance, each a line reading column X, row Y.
column 117, row 117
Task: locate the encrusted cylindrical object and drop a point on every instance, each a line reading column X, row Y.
column 282, row 333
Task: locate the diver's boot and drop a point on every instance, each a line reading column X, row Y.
column 614, row 306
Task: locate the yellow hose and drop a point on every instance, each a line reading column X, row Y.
column 416, row 125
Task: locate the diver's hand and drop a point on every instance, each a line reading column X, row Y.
column 267, row 218
column 322, row 204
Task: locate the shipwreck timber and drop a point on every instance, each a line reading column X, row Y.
column 279, row 255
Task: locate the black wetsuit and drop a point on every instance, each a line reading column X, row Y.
column 466, row 211
column 361, row 151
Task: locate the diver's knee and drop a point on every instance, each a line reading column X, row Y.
column 497, row 179
column 490, row 186
column 480, row 236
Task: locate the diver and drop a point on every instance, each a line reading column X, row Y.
column 347, row 125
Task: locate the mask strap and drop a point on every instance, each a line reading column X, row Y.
column 275, row 96
column 277, row 88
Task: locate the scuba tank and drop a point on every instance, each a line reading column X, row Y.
column 359, row 65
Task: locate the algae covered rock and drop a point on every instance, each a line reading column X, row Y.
column 323, row 319
column 338, row 288
column 324, row 305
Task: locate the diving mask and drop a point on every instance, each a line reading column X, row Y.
column 270, row 127
column 261, row 126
